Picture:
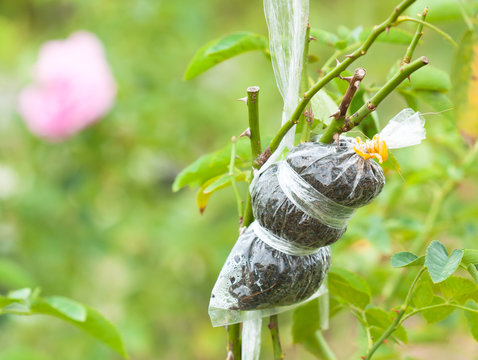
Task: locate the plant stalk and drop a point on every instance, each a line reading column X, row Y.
column 327, row 352
column 416, row 38
column 338, row 126
column 253, row 111
column 433, row 27
column 256, row 146
column 397, row 322
column 274, row 329
column 233, row 342
column 362, row 50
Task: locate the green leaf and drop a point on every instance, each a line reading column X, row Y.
column 93, row 323
column 439, row 265
column 423, row 294
column 324, row 37
column 379, row 320
column 323, row 106
column 305, row 325
column 215, row 184
column 222, row 49
column 4, row 301
column 349, row 287
column 409, row 98
column 13, row 276
column 211, row 165
column 439, row 313
column 472, row 318
column 305, row 321
column 70, row 308
column 394, row 36
column 429, row 78
column 224, row 181
column 406, row 258
column 457, row 287
column 470, row 256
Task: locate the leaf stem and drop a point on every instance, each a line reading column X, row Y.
column 326, row 351
column 344, row 125
column 398, row 320
column 416, row 38
column 433, row 27
column 432, row 307
column 274, row 328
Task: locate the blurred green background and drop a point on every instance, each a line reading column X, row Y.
column 94, row 218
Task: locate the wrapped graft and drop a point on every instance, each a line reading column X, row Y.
column 308, row 198
column 265, row 275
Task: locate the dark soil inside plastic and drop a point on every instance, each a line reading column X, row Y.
column 270, row 278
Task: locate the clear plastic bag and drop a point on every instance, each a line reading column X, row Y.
column 258, row 279
column 308, row 198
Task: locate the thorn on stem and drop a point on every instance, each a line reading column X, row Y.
column 247, row 133
column 244, row 100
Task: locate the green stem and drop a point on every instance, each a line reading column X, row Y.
column 398, row 320
column 362, row 50
column 234, row 341
column 304, row 77
column 232, row 176
column 433, row 27
column 274, row 328
column 304, row 85
column 256, row 148
column 343, row 125
column 416, row 38
column 327, row 353
column 234, row 330
column 432, row 307
column 253, row 110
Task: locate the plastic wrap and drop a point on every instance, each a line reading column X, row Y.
column 258, row 279
column 307, row 199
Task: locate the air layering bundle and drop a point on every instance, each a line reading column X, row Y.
column 301, row 205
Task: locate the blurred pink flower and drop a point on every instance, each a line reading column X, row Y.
column 73, row 87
